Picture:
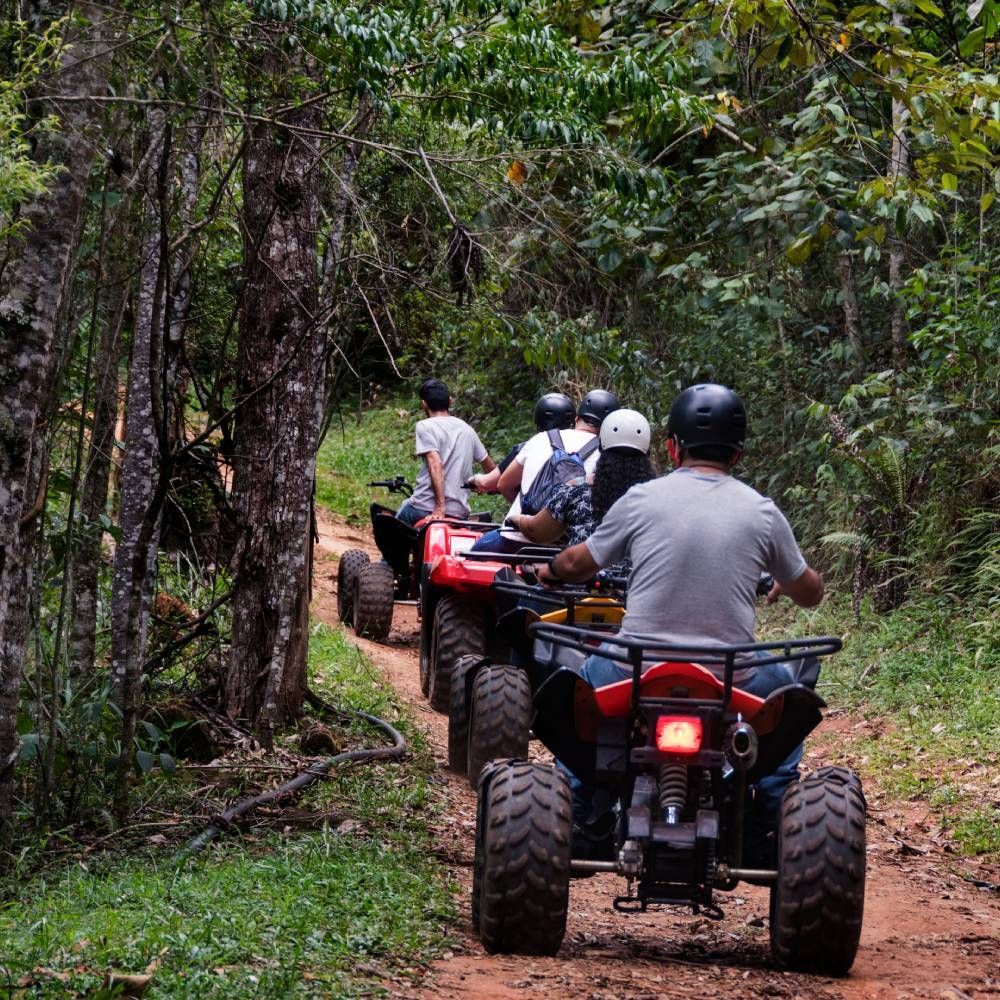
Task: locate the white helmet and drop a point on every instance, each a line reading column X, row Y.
column 625, row 429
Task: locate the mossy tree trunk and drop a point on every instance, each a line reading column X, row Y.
column 281, row 360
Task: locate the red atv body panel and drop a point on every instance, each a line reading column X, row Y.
column 660, row 679
column 444, row 544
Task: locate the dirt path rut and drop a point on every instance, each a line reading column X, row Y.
column 928, row 932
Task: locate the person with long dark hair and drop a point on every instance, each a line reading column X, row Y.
column 575, row 509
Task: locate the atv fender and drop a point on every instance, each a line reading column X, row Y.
column 791, row 713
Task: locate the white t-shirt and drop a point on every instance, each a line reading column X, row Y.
column 459, row 446
column 533, row 457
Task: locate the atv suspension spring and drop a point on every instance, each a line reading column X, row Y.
column 673, row 791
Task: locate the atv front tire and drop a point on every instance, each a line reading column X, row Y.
column 818, row 901
column 499, row 717
column 458, row 712
column 459, row 630
column 373, row 594
column 523, row 858
column 352, row 562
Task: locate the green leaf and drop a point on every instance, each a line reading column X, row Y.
column 168, row 763
column 610, row 260
column 985, row 202
column 928, row 8
column 145, row 760
column 949, row 182
column 972, row 42
column 799, row 251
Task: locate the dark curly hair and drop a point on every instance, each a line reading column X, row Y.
column 618, row 469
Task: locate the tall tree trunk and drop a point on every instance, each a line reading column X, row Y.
column 281, row 355
column 32, row 293
column 143, row 489
column 97, row 471
column 899, row 167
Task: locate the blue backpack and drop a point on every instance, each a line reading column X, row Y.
column 562, row 467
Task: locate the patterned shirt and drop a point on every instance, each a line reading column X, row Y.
column 571, row 504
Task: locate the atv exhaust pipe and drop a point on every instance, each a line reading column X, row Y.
column 741, row 746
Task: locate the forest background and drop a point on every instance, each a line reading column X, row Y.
column 228, row 227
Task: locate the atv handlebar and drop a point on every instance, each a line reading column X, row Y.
column 397, row 485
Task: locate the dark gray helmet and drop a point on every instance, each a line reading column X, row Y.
column 708, row 414
column 554, row 412
column 596, row 405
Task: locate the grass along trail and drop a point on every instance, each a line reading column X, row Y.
column 928, row 932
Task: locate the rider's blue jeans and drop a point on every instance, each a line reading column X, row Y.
column 409, row 514
column 495, row 541
column 598, row 671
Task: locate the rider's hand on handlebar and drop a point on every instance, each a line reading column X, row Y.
column 542, row 575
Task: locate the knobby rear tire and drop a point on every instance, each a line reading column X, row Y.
column 373, row 597
column 499, row 717
column 523, row 859
column 817, row 904
column 352, row 562
column 459, row 630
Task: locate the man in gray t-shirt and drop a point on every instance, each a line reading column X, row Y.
column 699, row 541
column 448, row 447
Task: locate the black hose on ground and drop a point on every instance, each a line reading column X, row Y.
column 302, row 780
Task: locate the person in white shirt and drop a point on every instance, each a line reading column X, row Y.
column 517, row 480
column 448, row 447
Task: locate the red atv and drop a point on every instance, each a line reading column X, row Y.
column 367, row 591
column 677, row 751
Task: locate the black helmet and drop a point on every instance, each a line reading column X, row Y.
column 554, row 412
column 708, row 414
column 596, row 405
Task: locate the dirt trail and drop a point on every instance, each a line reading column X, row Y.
column 927, row 931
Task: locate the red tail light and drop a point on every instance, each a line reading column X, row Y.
column 678, row 733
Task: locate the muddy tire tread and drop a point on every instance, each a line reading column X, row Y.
column 817, row 905
column 458, row 713
column 351, row 563
column 499, row 717
column 459, row 630
column 524, row 886
column 373, row 599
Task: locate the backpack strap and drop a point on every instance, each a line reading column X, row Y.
column 589, row 448
column 555, row 439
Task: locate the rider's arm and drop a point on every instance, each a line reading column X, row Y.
column 510, row 481
column 488, row 465
column 435, row 468
column 570, row 566
column 806, row 590
column 540, row 527
column 487, row 482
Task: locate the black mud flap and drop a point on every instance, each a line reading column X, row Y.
column 793, row 712
column 566, row 721
column 395, row 540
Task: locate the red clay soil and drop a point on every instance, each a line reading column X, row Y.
column 928, row 932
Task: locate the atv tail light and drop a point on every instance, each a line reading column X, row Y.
column 678, row 733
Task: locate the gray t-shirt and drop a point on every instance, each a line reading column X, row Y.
column 698, row 544
column 459, row 446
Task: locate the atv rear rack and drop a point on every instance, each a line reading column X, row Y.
column 636, row 652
